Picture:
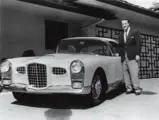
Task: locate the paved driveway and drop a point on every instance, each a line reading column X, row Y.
column 115, row 107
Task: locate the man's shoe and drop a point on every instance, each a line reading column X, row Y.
column 128, row 91
column 138, row 91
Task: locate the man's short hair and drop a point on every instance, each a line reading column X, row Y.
column 126, row 20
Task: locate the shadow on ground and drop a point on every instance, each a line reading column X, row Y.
column 148, row 93
column 61, row 101
column 58, row 114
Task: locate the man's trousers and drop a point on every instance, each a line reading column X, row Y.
column 131, row 70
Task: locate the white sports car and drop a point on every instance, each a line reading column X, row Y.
column 81, row 65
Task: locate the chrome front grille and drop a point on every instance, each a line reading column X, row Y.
column 37, row 75
column 58, row 71
column 21, row 70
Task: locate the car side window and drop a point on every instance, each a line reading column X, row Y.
column 103, row 49
column 107, row 51
column 114, row 47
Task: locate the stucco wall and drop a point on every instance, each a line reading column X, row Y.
column 0, row 27
column 21, row 31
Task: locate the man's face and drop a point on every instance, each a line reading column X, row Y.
column 125, row 24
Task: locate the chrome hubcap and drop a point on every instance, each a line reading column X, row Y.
column 97, row 87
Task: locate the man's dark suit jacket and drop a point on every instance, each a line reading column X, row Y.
column 132, row 46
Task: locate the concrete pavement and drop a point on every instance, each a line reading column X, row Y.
column 121, row 107
column 129, row 107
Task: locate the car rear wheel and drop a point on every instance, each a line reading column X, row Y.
column 19, row 96
column 98, row 89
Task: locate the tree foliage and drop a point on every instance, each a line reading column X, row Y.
column 155, row 7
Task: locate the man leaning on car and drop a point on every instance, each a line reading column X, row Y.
column 130, row 48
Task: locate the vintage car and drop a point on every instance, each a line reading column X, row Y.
column 81, row 65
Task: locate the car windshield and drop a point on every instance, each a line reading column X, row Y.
column 83, row 47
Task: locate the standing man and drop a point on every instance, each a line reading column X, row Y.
column 130, row 48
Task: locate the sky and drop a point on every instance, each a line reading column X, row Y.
column 143, row 3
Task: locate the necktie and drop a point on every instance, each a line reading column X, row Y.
column 125, row 36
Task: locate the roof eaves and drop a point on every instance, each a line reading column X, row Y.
column 73, row 7
column 129, row 6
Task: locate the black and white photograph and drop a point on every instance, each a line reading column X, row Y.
column 79, row 59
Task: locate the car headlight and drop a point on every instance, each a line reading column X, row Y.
column 5, row 66
column 76, row 66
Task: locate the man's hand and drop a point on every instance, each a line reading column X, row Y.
column 117, row 54
column 137, row 57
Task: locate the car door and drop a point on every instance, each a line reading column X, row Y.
column 117, row 60
column 109, row 64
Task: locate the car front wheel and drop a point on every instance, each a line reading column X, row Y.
column 98, row 88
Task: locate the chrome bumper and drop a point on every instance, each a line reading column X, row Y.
column 49, row 90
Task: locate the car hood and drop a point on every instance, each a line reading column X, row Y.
column 55, row 58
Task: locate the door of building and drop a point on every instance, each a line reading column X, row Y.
column 54, row 32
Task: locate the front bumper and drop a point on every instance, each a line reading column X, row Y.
column 49, row 90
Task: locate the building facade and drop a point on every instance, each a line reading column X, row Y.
column 40, row 25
